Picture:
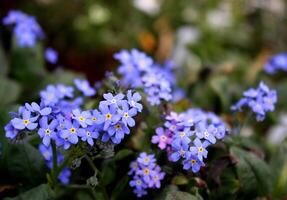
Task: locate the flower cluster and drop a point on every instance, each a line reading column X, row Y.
column 51, row 56
column 260, row 101
column 26, row 28
column 187, row 135
column 140, row 71
column 276, row 63
column 146, row 174
column 64, row 176
column 59, row 117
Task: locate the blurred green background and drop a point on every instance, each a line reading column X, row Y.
column 219, row 46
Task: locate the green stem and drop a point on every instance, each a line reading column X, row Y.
column 91, row 163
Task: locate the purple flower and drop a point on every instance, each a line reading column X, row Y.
column 27, row 121
column 47, row 130
column 161, row 138
column 146, row 174
column 89, row 134
column 146, row 159
column 83, row 118
column 117, row 132
column 84, row 86
column 51, row 55
column 46, row 152
column 133, row 100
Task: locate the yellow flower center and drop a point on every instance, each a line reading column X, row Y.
column 182, row 152
column 118, row 126
column 182, row 134
column 26, row 121
column 108, row 116
column 146, row 171
column 193, row 161
column 94, row 119
column 146, row 160
column 73, row 130
column 200, row 149
column 81, row 118
column 126, row 115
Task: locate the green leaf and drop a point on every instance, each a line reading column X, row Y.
column 41, row 192
column 254, row 174
column 119, row 188
column 3, row 62
column 23, row 162
column 179, row 180
column 9, row 91
column 123, row 154
column 108, row 172
column 172, row 193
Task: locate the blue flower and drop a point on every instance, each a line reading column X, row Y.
column 27, row 121
column 10, row 131
column 116, row 132
column 83, row 118
column 111, row 100
column 26, row 28
column 65, row 91
column 276, row 63
column 259, row 100
column 71, row 131
column 193, row 162
column 64, row 176
column 50, row 96
column 203, row 132
column 126, row 115
column 179, row 152
column 182, row 138
column 110, row 115
column 34, row 107
column 84, row 86
column 46, row 152
column 47, row 130
column 199, row 148
column 89, row 135
column 51, row 55
column 146, row 174
column 97, row 118
column 133, row 100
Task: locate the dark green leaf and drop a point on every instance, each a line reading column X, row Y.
column 172, row 193
column 120, row 187
column 42, row 192
column 123, row 154
column 108, row 172
column 254, row 174
column 9, row 91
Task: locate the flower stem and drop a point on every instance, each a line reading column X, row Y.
column 54, row 167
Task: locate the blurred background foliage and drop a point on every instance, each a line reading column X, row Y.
column 220, row 48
